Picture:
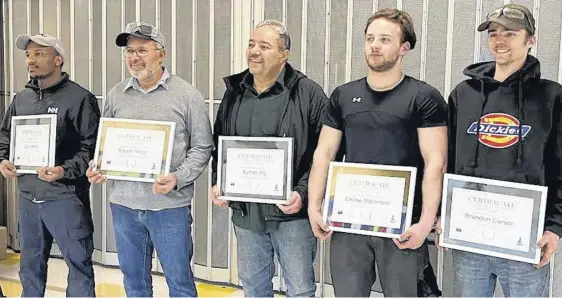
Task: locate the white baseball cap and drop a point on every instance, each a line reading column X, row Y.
column 42, row 39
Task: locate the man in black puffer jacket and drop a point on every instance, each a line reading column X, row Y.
column 54, row 203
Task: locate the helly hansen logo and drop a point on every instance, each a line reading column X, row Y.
column 498, row 130
column 52, row 110
column 356, row 99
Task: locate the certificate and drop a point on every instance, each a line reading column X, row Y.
column 134, row 150
column 491, row 217
column 33, row 142
column 255, row 169
column 375, row 200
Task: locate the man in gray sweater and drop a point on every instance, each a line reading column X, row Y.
column 157, row 216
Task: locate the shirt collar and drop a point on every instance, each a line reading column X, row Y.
column 134, row 83
column 248, row 80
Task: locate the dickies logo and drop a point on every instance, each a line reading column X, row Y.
column 498, row 130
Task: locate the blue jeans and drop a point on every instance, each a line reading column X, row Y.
column 475, row 276
column 295, row 246
column 138, row 233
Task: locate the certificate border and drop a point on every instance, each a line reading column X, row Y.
column 52, row 140
column 245, row 198
column 356, row 228
column 445, row 201
column 151, row 177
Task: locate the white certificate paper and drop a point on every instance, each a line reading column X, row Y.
column 491, row 219
column 369, row 200
column 32, row 145
column 133, row 150
column 255, row 171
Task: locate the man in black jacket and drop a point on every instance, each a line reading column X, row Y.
column 504, row 124
column 54, row 203
column 273, row 99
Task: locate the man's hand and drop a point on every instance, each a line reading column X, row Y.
column 50, row 174
column 293, row 206
column 548, row 245
column 215, row 194
column 319, row 227
column 95, row 177
column 8, row 170
column 164, row 184
column 414, row 237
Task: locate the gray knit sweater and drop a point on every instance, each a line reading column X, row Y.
column 172, row 100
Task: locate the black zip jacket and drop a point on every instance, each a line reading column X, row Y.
column 520, row 131
column 78, row 117
column 300, row 120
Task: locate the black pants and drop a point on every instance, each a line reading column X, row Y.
column 352, row 264
column 69, row 222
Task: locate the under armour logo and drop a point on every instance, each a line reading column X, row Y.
column 52, row 110
column 356, row 99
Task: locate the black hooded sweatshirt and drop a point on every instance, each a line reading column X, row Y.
column 520, row 135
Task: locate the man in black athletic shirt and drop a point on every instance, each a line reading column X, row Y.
column 387, row 118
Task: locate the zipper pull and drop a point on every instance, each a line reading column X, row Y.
column 40, row 94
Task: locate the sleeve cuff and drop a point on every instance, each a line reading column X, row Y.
column 554, row 228
column 180, row 180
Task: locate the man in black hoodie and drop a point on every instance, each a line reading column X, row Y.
column 508, row 91
column 54, row 204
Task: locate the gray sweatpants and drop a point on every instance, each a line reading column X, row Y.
column 352, row 264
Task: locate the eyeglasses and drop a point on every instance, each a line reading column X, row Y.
column 140, row 28
column 140, row 52
column 509, row 12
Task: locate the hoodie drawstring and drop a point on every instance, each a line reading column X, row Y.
column 521, row 118
column 474, row 162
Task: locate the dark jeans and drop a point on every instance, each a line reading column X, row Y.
column 352, row 264
column 67, row 221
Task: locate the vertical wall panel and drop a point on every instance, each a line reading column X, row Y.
column 97, row 48
column 130, row 14
column 49, row 16
column 463, row 40
column 19, row 24
column 362, row 10
column 202, row 84
column 294, row 25
column 81, row 42
column 273, row 9
column 338, row 41
column 147, row 9
column 548, row 42
column 202, row 47
column 222, row 45
column 65, row 33
column 114, row 53
column 436, row 45
column 165, row 27
column 413, row 58
column 315, row 43
column 184, row 39
column 97, row 208
column 387, row 4
column 34, row 9
column 222, row 38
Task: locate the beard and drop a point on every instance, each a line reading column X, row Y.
column 144, row 74
column 37, row 77
column 384, row 65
